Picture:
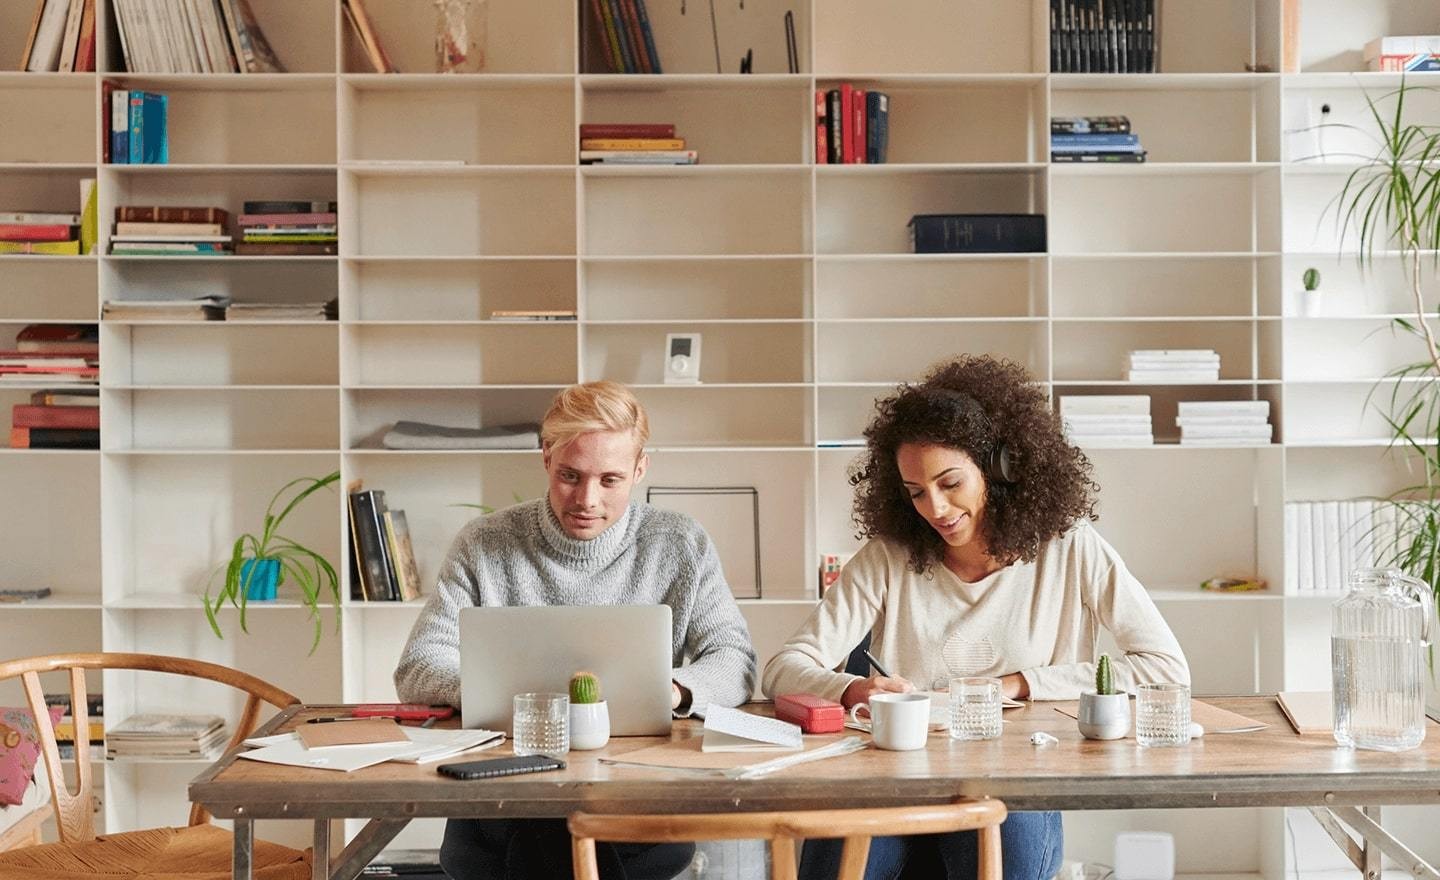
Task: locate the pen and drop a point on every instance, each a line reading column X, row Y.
column 876, row 663
column 345, row 718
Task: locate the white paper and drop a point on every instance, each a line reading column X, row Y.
column 730, row 730
column 425, row 745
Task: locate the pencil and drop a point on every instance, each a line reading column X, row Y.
column 876, row 663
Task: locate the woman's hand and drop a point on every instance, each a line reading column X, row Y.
column 860, row 689
column 1015, row 686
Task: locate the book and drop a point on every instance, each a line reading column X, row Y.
column 365, row 32
column 639, row 157
column 632, row 143
column 136, row 229
column 610, row 36
column 178, row 239
column 1309, row 712
column 731, row 730
column 89, row 215
column 204, row 308
column 166, row 736
column 1098, row 157
column 50, row 248
column 533, row 315
column 647, row 36
column 377, row 573
column 822, row 148
column 835, row 123
column 23, row 415
column 42, row 52
column 71, row 41
column 626, row 130
column 53, row 438
column 877, row 127
column 637, row 42
column 323, row 218
column 73, row 397
column 1094, row 140
column 286, row 249
column 311, row 311
column 149, row 139
column 857, row 121
column 39, row 218
column 397, row 536
column 251, row 43
column 288, row 237
column 422, row 435
column 16, row 596
column 35, row 232
column 288, row 206
column 157, row 214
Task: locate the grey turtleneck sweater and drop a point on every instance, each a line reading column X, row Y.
column 521, row 556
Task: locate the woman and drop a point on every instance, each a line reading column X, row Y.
column 981, row 560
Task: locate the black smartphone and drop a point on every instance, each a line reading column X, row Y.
column 501, row 766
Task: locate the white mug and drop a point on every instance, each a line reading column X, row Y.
column 899, row 722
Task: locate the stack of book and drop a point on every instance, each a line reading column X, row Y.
column 154, row 231
column 384, row 567
column 58, row 419
column 633, row 144
column 52, row 354
column 1104, row 36
column 1223, row 422
column 1094, row 139
column 289, row 228
column 625, row 36
column 1100, row 420
column 62, row 37
column 1325, row 540
column 310, row 311
column 1164, row 365
column 166, row 737
column 210, row 307
column 135, row 126
column 852, row 126
column 1403, row 54
column 199, row 36
column 39, row 232
column 65, row 727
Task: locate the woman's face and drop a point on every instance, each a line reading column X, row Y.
column 947, row 489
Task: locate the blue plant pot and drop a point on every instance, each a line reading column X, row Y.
column 262, row 582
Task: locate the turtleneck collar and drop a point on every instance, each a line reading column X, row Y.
column 596, row 552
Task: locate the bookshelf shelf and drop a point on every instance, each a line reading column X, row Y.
column 460, row 195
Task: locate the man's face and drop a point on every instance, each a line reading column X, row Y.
column 591, row 479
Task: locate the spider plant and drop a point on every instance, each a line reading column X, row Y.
column 312, row 572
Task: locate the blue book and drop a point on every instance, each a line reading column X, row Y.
column 120, row 127
column 644, row 17
column 136, row 151
column 1093, row 140
column 877, row 127
column 157, row 140
column 627, row 52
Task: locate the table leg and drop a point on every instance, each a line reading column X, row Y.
column 320, row 851
column 366, row 846
column 1374, row 841
column 243, row 849
column 1372, row 855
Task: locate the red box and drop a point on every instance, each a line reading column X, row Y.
column 813, row 714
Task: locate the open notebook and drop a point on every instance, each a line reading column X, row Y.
column 422, row 746
column 730, row 730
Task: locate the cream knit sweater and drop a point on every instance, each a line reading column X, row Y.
column 1039, row 618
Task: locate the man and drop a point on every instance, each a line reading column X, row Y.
column 585, row 543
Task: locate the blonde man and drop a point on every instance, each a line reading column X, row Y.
column 585, row 543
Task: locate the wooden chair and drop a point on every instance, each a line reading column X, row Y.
column 199, row 850
column 783, row 829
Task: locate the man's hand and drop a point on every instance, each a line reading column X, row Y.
column 1014, row 686
column 860, row 690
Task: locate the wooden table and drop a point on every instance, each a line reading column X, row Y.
column 1273, row 767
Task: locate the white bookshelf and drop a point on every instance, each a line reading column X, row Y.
column 797, row 275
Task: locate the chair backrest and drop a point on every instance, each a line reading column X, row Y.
column 74, row 810
column 856, row 826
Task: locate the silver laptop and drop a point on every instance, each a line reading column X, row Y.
column 508, row 651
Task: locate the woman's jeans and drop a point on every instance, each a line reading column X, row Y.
column 1030, row 848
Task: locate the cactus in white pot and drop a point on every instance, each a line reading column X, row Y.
column 589, row 715
column 1104, row 714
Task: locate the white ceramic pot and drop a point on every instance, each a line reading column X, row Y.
column 589, row 725
column 1104, row 716
column 1311, row 304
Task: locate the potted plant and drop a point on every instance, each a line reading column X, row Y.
column 259, row 563
column 1310, row 299
column 589, row 715
column 1104, row 714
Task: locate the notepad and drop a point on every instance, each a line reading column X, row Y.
column 370, row 731
column 730, row 730
column 1309, row 712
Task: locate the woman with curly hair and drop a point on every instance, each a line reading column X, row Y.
column 980, row 560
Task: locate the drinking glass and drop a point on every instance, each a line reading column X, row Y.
column 542, row 724
column 974, row 708
column 1162, row 714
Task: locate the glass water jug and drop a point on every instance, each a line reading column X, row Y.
column 1379, row 644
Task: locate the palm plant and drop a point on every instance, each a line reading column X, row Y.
column 1393, row 199
column 309, row 570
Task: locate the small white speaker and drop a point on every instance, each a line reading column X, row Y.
column 1144, row 855
column 682, row 358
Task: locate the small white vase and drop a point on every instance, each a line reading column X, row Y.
column 589, row 725
column 1104, row 716
column 1311, row 303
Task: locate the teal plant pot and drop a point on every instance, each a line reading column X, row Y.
column 263, row 580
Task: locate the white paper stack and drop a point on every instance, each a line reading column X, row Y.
column 1326, row 540
column 1100, row 420
column 1162, row 365
column 1223, row 422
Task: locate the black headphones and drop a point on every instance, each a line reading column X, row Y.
column 998, row 463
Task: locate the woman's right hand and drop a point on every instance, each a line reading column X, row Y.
column 860, row 689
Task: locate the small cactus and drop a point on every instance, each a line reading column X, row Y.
column 1311, row 279
column 584, row 688
column 1104, row 679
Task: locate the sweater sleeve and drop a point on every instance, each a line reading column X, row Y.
column 1120, row 603
column 717, row 641
column 807, row 662
column 429, row 668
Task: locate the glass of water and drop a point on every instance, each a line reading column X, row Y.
column 542, row 724
column 1162, row 714
column 974, row 708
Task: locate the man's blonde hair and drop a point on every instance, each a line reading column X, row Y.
column 591, row 407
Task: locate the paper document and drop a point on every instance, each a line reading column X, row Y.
column 423, row 746
column 731, row 730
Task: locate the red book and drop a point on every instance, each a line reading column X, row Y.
column 626, row 130
column 288, row 219
column 858, row 114
column 28, row 416
column 76, row 339
column 85, row 53
column 631, row 23
column 847, row 124
column 822, row 142
column 158, row 214
column 34, row 232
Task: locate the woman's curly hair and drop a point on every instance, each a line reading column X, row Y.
column 1053, row 485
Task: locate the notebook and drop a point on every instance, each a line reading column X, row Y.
column 1309, row 712
column 731, row 730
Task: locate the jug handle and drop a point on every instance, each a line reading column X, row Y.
column 1423, row 591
